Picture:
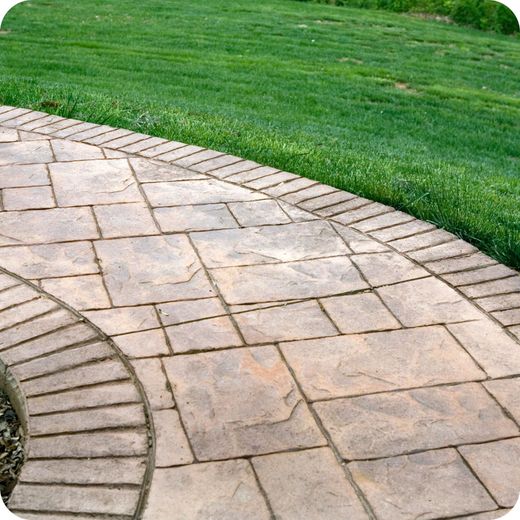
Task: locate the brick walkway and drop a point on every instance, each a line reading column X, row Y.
column 198, row 336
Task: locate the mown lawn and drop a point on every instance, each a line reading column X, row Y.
column 414, row 113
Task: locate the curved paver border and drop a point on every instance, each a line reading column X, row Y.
column 493, row 287
column 81, row 406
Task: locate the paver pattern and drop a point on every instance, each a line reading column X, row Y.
column 266, row 346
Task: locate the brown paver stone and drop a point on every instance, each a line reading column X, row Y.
column 394, row 423
column 308, row 484
column 124, row 319
column 151, row 269
column 259, row 213
column 143, row 344
column 268, row 413
column 16, row 176
column 156, row 171
column 26, row 311
column 500, row 302
column 194, row 218
column 100, row 395
column 216, row 490
column 485, row 274
column 156, row 386
column 269, row 244
column 506, row 285
column 70, row 499
column 37, row 197
column 496, row 464
column 184, row 193
column 509, row 317
column 507, row 393
column 81, row 292
column 355, row 365
column 387, row 268
column 491, row 347
column 74, row 151
column 94, row 182
column 27, row 152
column 125, row 220
column 426, row 302
column 435, row 484
column 8, row 135
column 296, row 321
column 74, row 471
column 172, row 447
column 91, row 445
column 307, row 279
column 358, row 242
column 46, row 226
column 359, row 313
column 49, row 260
column 174, row 313
column 210, row 334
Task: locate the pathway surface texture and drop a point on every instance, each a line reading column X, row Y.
column 197, row 336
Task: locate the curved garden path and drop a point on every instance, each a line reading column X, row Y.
column 253, row 344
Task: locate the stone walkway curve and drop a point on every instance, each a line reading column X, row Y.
column 257, row 345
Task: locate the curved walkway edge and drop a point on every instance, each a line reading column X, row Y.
column 200, row 336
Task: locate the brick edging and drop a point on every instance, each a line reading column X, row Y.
column 64, row 372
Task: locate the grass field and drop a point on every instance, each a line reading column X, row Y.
column 414, row 113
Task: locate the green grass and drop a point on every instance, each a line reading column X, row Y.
column 299, row 86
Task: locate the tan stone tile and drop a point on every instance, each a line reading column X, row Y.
column 500, row 302
column 507, row 393
column 191, row 310
column 359, row 313
column 348, row 205
column 207, row 334
column 497, row 466
column 47, row 225
column 143, row 344
column 114, row 154
column 355, row 365
column 91, row 445
column 26, row 175
column 184, row 193
column 358, row 242
column 63, row 360
column 244, row 175
column 125, row 220
column 505, row 285
column 27, row 152
column 259, row 213
column 490, row 346
column 198, row 157
column 426, row 302
column 292, row 184
column 118, row 392
column 356, row 215
column 461, row 263
column 394, row 218
column 80, row 292
column 172, row 448
column 403, row 230
column 101, row 372
column 17, row 295
column 220, row 163
column 124, row 319
column 161, row 148
column 268, row 413
column 509, row 317
column 308, row 484
column 123, row 416
column 492, row 272
column 49, row 260
column 143, row 145
column 38, row 197
column 515, row 331
column 307, row 279
column 150, row 374
column 147, row 170
column 326, row 201
column 8, row 135
column 217, row 490
column 297, row 214
column 70, row 499
column 77, row 471
column 73, row 151
column 432, row 238
column 269, row 244
column 26, row 311
column 443, row 251
column 490, row 515
column 388, row 424
column 39, row 326
column 435, row 484
column 94, row 182
column 151, row 270
column 309, row 193
column 286, row 322
column 179, row 153
column 387, row 268
column 194, row 218
column 275, row 179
